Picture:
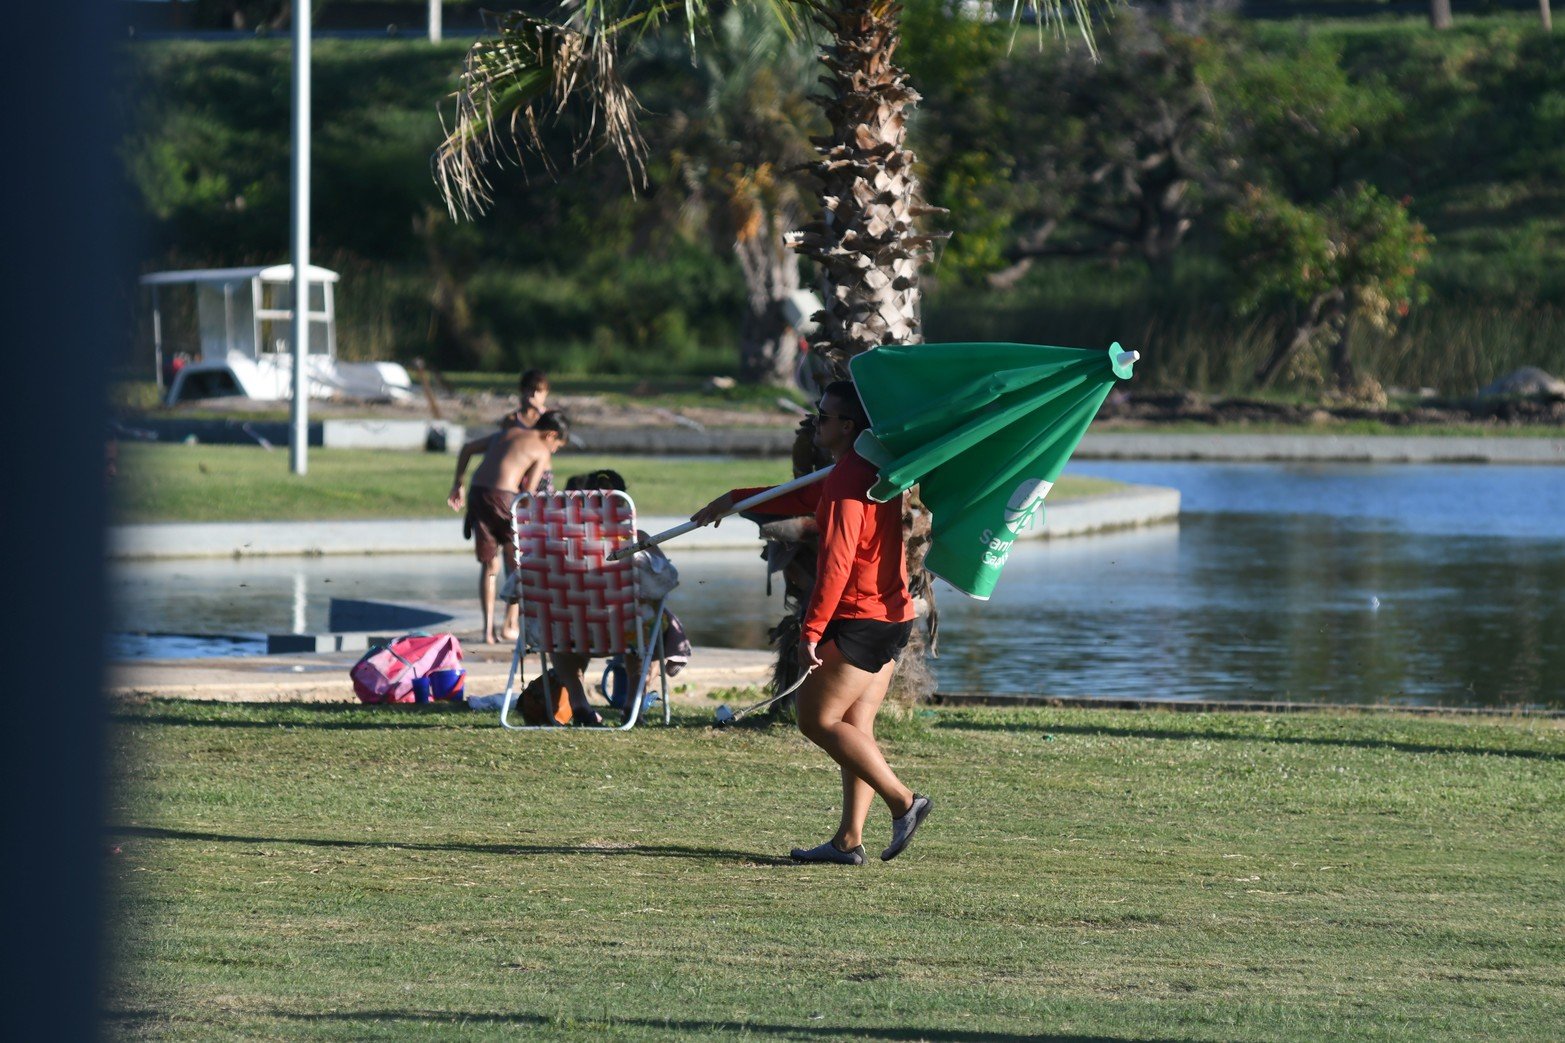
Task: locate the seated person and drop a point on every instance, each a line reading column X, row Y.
column 571, row 667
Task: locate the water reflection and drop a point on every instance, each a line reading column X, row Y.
column 1270, row 607
column 273, row 595
column 151, row 600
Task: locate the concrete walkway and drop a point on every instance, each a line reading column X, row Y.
column 1132, row 506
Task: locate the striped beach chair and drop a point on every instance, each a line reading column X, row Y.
column 574, row 598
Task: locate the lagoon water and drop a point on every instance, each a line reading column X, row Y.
column 1438, row 584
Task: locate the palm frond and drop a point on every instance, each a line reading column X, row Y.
column 1061, row 14
column 516, row 82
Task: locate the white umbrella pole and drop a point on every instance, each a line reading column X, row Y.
column 742, row 505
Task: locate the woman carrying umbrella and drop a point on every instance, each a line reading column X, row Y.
column 855, row 626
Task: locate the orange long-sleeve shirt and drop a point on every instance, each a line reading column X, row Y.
column 860, row 568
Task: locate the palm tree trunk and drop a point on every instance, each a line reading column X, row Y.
column 865, row 238
column 1440, row 13
column 1546, row 15
column 768, row 346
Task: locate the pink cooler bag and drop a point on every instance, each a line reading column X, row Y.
column 414, row 668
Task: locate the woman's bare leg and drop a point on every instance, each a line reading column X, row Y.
column 824, row 705
column 856, row 793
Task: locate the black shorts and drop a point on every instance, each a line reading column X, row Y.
column 868, row 644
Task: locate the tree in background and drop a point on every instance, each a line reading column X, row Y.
column 1106, row 157
column 1314, row 246
column 1319, row 271
column 1126, row 159
column 1299, row 121
column 744, row 125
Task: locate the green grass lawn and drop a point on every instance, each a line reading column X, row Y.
column 346, row 873
column 208, row 483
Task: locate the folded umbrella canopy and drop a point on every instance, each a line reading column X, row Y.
column 984, row 430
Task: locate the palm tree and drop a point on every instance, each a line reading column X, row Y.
column 865, row 236
column 744, row 120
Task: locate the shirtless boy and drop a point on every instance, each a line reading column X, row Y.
column 516, row 459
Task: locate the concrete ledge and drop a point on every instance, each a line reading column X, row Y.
column 434, row 435
column 1127, row 508
column 1132, row 506
column 1400, row 449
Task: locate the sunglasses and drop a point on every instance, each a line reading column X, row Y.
column 823, row 415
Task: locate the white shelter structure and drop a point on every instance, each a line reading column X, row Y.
column 244, row 321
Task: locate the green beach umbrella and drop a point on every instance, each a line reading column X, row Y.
column 984, row 430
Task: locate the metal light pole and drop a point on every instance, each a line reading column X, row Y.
column 299, row 414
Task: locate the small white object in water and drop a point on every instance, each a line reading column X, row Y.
column 1374, row 603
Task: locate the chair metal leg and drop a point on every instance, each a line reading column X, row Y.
column 644, row 649
column 663, row 675
column 511, row 689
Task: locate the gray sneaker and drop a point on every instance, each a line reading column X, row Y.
column 829, row 852
column 902, row 829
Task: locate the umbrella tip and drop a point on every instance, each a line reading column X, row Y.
column 1122, row 361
